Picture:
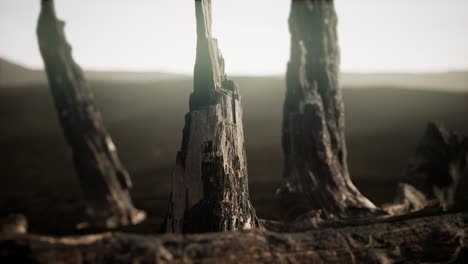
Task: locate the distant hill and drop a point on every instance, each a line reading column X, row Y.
column 145, row 119
column 12, row 74
column 447, row 81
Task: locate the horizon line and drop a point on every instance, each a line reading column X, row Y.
column 274, row 74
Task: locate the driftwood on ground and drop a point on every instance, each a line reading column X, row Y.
column 210, row 186
column 104, row 180
column 435, row 239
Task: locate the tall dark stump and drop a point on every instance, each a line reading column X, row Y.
column 210, row 186
column 104, row 180
column 316, row 175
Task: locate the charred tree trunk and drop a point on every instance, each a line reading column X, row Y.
column 433, row 173
column 104, row 180
column 210, row 186
column 315, row 167
column 437, row 239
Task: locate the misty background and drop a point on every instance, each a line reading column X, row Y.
column 403, row 63
column 157, row 35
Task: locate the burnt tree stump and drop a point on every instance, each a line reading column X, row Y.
column 210, row 186
column 433, row 173
column 316, row 175
column 104, row 180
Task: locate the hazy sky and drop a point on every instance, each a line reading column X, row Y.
column 375, row 35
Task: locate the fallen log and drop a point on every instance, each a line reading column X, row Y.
column 421, row 239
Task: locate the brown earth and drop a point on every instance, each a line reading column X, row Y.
column 146, row 118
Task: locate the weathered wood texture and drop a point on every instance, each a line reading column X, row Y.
column 429, row 239
column 210, row 186
column 434, row 171
column 104, row 180
column 315, row 173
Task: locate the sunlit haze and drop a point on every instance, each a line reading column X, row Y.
column 156, row 35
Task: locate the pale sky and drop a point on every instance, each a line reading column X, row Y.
column 157, row 35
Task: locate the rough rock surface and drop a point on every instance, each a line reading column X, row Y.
column 434, row 171
column 437, row 239
column 104, row 180
column 210, row 184
column 316, row 175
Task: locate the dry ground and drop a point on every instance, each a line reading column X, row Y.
column 146, row 119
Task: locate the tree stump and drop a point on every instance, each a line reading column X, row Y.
column 210, row 186
column 434, row 171
column 104, row 180
column 316, row 175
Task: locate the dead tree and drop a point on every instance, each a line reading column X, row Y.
column 434, row 171
column 210, row 186
column 104, row 180
column 315, row 166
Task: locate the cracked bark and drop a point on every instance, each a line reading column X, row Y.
column 210, row 186
column 104, row 180
column 316, row 175
column 433, row 173
column 433, row 239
